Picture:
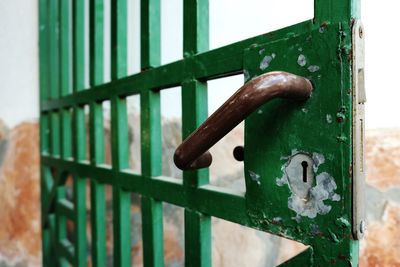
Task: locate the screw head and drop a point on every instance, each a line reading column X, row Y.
column 360, row 32
column 363, row 227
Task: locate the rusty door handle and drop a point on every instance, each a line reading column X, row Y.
column 193, row 152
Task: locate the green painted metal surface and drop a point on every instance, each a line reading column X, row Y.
column 319, row 49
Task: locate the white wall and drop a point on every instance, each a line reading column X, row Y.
column 18, row 61
column 230, row 21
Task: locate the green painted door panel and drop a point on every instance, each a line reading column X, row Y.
column 279, row 131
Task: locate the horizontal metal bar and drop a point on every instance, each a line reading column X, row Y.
column 201, row 199
column 66, row 208
column 224, row 61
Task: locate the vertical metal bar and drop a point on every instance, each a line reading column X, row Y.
column 78, row 45
column 152, row 212
column 98, row 215
column 66, row 134
column 55, row 134
column 97, row 156
column 51, row 260
column 65, row 81
column 151, row 133
column 98, row 201
column 194, row 112
column 53, row 35
column 44, row 133
column 96, row 46
column 44, row 142
column 46, row 247
column 195, row 27
column 119, row 135
column 61, row 225
column 43, row 50
column 78, row 73
column 79, row 188
column 118, row 39
column 150, row 34
column 65, row 117
column 197, row 239
column 121, row 198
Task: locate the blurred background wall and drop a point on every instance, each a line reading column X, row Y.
column 230, row 21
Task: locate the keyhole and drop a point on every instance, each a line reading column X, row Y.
column 304, row 164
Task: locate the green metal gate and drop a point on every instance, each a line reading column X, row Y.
column 321, row 131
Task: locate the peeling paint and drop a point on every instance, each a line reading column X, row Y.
column 324, row 189
column 318, row 160
column 261, row 51
column 266, row 61
column 255, row 177
column 329, row 118
column 304, row 110
column 343, row 222
column 333, row 236
column 315, row 230
column 313, row 68
column 341, row 138
column 301, row 60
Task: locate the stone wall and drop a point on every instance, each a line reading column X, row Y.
column 233, row 245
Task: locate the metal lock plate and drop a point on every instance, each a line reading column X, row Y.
column 359, row 99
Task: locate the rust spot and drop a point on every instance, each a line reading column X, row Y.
column 351, row 170
column 324, row 24
column 350, row 55
column 276, row 222
column 341, row 257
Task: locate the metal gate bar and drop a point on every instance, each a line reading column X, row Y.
column 63, row 148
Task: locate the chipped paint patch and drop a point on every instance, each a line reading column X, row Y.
column 340, row 116
column 246, row 75
column 255, row 177
column 301, row 60
column 311, row 200
column 313, row 68
column 333, row 236
column 261, row 51
column 318, row 160
column 266, row 61
column 304, row 110
column 329, row 118
column 315, row 230
column 277, row 220
column 341, row 138
column 343, row 222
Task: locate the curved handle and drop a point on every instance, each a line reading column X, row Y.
column 193, row 152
